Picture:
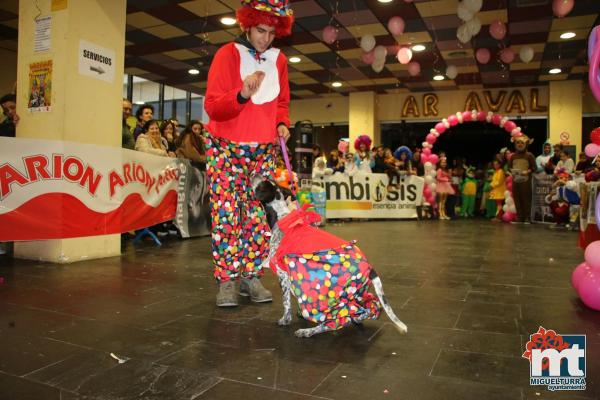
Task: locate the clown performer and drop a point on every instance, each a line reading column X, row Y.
column 247, row 100
column 521, row 166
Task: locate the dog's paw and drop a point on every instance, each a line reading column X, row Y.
column 285, row 321
column 304, row 333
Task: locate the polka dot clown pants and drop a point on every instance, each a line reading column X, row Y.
column 332, row 286
column 239, row 223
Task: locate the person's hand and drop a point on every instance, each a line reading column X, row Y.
column 284, row 132
column 171, row 154
column 16, row 119
column 252, row 84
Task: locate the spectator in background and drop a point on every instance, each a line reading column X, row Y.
column 167, row 132
column 380, row 166
column 317, row 154
column 335, row 162
column 144, row 114
column 190, row 144
column 127, row 141
column 542, row 159
column 350, row 167
column 9, row 109
column 149, row 141
column 566, row 164
column 554, row 160
column 584, row 163
column 176, row 125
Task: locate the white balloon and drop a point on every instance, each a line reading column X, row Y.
column 463, row 12
column 367, row 43
column 380, row 53
column 473, row 5
column 510, row 201
column 506, row 194
column 428, row 165
column 451, row 72
column 428, row 179
column 378, row 66
column 505, row 208
column 526, row 53
column 463, row 34
column 512, row 209
column 432, row 186
column 474, row 26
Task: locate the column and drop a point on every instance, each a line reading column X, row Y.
column 84, row 109
column 566, row 111
column 363, row 117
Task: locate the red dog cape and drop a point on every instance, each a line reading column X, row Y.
column 330, row 277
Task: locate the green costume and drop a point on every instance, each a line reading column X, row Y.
column 468, row 188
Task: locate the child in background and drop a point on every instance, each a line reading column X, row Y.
column 469, row 192
column 350, row 167
column 566, row 164
column 444, row 187
column 320, row 169
column 488, row 206
column 335, row 162
column 498, row 188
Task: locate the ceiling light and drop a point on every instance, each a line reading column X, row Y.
column 193, row 71
column 228, row 21
column 555, row 71
column 139, row 103
column 568, row 35
column 295, row 59
column 336, row 84
column 418, row 47
column 385, row 1
column 438, row 78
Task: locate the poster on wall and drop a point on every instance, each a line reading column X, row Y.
column 542, row 186
column 40, row 87
column 369, row 196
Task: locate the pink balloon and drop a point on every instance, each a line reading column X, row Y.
column 579, row 273
column 467, row 116
column 368, row 57
column 425, row 158
column 434, row 159
column 508, row 217
column 431, row 200
column 481, row 116
column 498, row 30
column 562, row 7
column 592, row 150
column 453, row 120
column 589, row 290
column 427, row 151
column 427, row 191
column 509, row 186
column 414, row 68
column 430, row 138
column 396, row 26
column 440, row 128
column 509, row 126
column 404, row 55
column 507, row 55
column 330, row 34
column 592, row 255
column 496, row 119
column 483, row 56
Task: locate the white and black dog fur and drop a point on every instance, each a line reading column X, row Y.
column 273, row 198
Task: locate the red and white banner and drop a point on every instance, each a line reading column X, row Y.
column 55, row 189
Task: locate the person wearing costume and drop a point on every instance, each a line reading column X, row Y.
column 247, row 100
column 469, row 193
column 498, row 188
column 363, row 158
column 522, row 165
column 488, row 206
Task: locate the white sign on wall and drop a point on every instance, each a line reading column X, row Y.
column 96, row 61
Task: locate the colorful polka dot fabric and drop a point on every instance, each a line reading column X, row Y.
column 331, row 286
column 239, row 223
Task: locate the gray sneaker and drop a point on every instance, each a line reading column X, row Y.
column 253, row 288
column 227, row 296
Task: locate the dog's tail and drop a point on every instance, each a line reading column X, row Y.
column 402, row 328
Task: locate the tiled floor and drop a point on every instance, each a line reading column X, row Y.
column 471, row 293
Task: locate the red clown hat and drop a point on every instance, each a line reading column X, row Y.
column 275, row 13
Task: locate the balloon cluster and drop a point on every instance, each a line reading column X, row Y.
column 593, row 149
column 430, row 182
column 467, row 11
column 509, row 208
column 594, row 61
column 586, row 277
column 373, row 55
column 343, row 146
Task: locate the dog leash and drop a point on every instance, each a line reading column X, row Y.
column 286, row 159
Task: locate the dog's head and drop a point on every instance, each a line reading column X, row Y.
column 274, row 198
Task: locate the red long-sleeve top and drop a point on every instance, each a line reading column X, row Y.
column 246, row 122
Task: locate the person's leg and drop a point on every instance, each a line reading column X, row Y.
column 471, row 207
column 253, row 238
column 499, row 212
column 526, row 198
column 464, row 206
column 518, row 198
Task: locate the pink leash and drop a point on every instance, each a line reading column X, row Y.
column 287, row 165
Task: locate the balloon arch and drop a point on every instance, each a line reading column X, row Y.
column 430, row 159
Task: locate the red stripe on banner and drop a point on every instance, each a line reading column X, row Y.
column 61, row 216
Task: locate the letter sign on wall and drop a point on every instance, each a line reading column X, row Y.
column 96, row 62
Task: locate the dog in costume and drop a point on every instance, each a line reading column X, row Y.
column 329, row 277
column 521, row 166
column 468, row 190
